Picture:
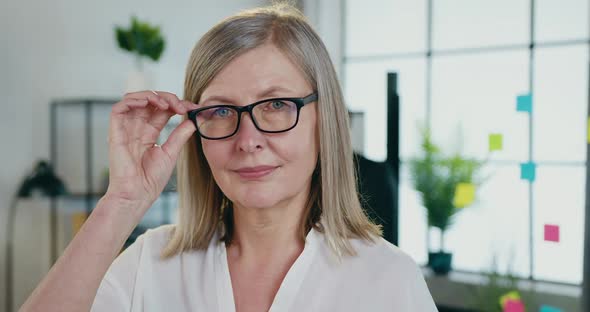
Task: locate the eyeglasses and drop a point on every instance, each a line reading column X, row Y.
column 275, row 115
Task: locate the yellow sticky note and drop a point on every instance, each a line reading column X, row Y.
column 464, row 195
column 495, row 141
column 513, row 295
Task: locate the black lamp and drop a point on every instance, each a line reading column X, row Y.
column 41, row 182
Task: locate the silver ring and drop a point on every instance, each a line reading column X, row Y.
column 156, row 145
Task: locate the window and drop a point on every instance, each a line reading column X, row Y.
column 369, row 96
column 561, row 20
column 458, row 24
column 403, row 23
column 467, row 84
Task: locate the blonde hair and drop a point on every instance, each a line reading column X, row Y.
column 203, row 208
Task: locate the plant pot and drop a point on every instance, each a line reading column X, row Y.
column 440, row 262
column 137, row 81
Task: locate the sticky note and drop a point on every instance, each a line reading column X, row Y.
column 552, row 233
column 546, row 308
column 513, row 295
column 495, row 142
column 514, row 306
column 528, row 171
column 464, row 195
column 524, row 103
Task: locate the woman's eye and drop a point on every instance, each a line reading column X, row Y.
column 277, row 105
column 222, row 112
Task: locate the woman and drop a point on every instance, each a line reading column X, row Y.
column 269, row 216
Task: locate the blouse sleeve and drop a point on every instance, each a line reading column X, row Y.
column 110, row 297
column 422, row 299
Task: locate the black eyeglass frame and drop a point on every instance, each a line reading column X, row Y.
column 299, row 102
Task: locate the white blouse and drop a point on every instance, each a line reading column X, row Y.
column 380, row 278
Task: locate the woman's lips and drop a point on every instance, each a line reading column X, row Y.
column 255, row 172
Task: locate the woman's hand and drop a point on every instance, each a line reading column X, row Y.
column 139, row 169
column 138, row 173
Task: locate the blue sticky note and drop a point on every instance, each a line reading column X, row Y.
column 524, row 103
column 546, row 308
column 527, row 171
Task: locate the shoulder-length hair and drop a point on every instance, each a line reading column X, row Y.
column 203, row 208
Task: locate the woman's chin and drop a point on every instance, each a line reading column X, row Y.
column 255, row 200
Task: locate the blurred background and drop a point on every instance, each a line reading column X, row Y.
column 480, row 107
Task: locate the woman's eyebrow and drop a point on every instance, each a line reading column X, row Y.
column 272, row 91
column 217, row 98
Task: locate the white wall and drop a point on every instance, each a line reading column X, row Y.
column 326, row 17
column 65, row 48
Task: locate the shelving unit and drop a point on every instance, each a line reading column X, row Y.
column 89, row 110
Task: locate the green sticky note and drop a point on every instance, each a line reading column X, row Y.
column 495, row 142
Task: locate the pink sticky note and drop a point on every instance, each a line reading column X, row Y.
column 514, row 306
column 552, row 233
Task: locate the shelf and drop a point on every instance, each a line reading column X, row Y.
column 86, row 120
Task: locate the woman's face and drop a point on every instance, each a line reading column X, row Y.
column 255, row 169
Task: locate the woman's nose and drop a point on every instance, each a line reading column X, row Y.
column 249, row 138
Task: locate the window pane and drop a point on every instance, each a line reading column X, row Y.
column 463, row 24
column 412, row 219
column 385, row 26
column 366, row 91
column 496, row 225
column 559, row 200
column 560, row 103
column 561, row 20
column 477, row 93
column 100, row 147
column 70, row 146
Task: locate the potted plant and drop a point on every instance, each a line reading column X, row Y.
column 440, row 180
column 143, row 41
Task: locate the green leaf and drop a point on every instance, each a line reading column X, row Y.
column 141, row 38
column 436, row 176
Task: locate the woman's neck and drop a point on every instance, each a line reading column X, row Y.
column 264, row 234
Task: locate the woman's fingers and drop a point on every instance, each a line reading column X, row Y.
column 154, row 109
column 177, row 138
column 160, row 102
column 152, row 96
column 189, row 105
column 162, row 98
column 180, row 107
column 138, row 100
column 174, row 102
